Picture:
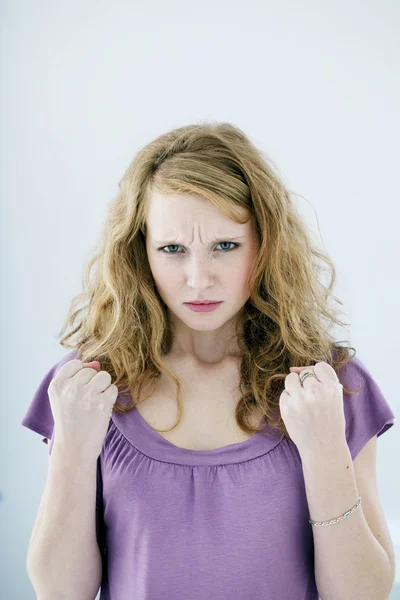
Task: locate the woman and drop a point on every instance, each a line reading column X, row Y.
column 231, row 420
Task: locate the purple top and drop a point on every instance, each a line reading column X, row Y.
column 231, row 522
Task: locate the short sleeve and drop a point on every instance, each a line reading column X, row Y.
column 367, row 413
column 39, row 417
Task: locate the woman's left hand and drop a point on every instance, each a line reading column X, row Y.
column 313, row 414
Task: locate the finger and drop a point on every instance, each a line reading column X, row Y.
column 307, row 381
column 325, row 372
column 70, row 368
column 292, row 383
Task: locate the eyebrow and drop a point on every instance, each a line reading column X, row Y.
column 219, row 239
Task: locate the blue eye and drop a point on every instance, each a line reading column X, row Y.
column 234, row 244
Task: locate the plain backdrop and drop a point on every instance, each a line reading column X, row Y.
column 84, row 85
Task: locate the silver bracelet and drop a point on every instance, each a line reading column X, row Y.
column 346, row 514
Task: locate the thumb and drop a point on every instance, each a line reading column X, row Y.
column 94, row 364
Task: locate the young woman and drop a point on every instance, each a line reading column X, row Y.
column 204, row 425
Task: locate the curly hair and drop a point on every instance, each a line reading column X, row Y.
column 122, row 321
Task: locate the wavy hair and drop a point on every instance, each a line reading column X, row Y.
column 122, row 321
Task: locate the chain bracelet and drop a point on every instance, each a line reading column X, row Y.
column 332, row 521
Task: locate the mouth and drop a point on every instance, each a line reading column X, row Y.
column 205, row 302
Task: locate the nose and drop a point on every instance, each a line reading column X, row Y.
column 200, row 273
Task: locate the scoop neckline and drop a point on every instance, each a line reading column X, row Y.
column 136, row 429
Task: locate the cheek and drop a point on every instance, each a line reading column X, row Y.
column 242, row 269
column 234, row 280
column 241, row 275
column 164, row 277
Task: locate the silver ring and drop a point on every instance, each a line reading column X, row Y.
column 308, row 374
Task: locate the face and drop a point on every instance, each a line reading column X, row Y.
column 196, row 252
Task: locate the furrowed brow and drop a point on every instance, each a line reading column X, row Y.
column 219, row 239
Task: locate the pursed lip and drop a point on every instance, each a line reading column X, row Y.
column 204, row 302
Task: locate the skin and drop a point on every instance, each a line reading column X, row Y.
column 199, row 262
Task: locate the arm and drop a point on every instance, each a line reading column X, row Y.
column 63, row 559
column 349, row 561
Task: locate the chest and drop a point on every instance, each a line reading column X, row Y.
column 160, row 513
column 209, row 401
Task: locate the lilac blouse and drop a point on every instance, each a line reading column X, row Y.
column 231, row 522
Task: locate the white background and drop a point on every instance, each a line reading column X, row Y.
column 315, row 85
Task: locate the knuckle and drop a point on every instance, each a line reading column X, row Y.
column 56, row 385
column 105, row 375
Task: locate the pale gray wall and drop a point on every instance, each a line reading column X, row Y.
column 85, row 84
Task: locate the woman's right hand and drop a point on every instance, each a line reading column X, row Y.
column 81, row 399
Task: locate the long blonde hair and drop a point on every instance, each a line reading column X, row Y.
column 122, row 321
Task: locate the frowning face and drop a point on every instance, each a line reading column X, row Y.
column 197, row 252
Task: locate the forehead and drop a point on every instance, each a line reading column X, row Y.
column 169, row 212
